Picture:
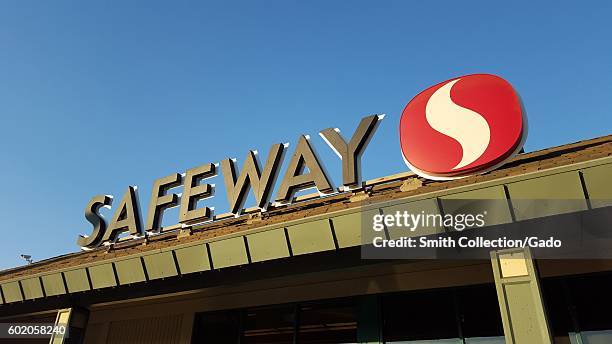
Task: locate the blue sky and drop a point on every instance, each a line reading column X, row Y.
column 97, row 96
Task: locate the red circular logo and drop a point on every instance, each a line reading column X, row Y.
column 463, row 126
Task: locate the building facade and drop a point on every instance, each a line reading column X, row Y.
column 295, row 274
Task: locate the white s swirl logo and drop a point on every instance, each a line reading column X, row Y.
column 468, row 127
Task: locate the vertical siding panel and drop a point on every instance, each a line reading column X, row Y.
column 157, row 330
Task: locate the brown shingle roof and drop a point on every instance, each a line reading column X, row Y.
column 382, row 189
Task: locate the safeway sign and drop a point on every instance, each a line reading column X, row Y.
column 463, row 126
column 457, row 128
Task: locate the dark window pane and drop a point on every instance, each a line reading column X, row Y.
column 217, row 327
column 479, row 311
column 328, row 322
column 271, row 325
column 593, row 300
column 596, row 337
column 485, row 340
column 419, row 316
column 555, row 295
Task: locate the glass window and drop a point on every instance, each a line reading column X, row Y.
column 433, row 341
column 479, row 313
column 555, row 295
column 443, row 316
column 485, row 340
column 270, row 325
column 413, row 316
column 592, row 337
column 328, row 322
column 593, row 301
column 578, row 308
column 467, row 315
column 590, row 297
column 217, row 327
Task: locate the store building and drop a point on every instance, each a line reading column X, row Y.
column 295, row 274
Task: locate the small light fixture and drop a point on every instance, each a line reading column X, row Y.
column 28, row 258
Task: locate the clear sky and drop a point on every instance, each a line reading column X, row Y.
column 96, row 96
